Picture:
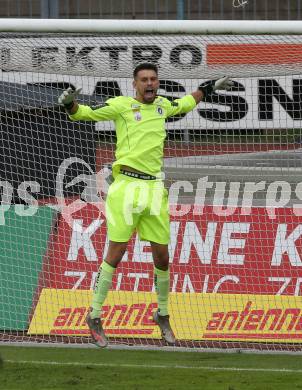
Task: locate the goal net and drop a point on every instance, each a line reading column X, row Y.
column 232, row 168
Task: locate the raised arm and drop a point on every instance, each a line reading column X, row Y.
column 77, row 111
column 188, row 103
column 208, row 88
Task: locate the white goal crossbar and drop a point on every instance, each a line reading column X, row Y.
column 152, row 26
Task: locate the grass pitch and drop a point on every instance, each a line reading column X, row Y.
column 41, row 368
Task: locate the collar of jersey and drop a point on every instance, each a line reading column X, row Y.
column 147, row 104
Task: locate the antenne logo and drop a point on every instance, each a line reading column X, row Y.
column 118, row 319
column 273, row 323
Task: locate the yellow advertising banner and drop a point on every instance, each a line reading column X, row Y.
column 194, row 316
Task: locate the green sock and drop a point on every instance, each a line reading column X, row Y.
column 162, row 288
column 103, row 284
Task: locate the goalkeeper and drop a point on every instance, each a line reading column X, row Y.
column 136, row 200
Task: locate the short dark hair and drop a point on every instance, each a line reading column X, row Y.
column 145, row 65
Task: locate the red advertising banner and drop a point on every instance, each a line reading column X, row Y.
column 259, row 253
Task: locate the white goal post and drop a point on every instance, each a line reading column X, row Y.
column 232, row 169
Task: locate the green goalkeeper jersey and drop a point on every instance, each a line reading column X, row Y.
column 140, row 128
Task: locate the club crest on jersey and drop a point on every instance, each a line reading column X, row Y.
column 159, row 110
column 136, row 111
column 137, row 115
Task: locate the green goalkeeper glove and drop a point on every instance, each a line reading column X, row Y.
column 68, row 97
column 213, row 85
